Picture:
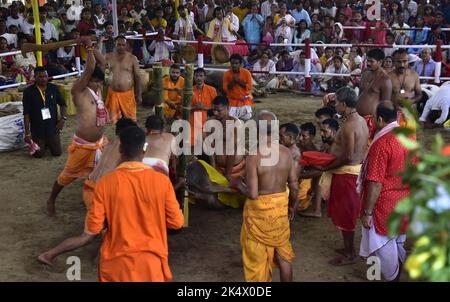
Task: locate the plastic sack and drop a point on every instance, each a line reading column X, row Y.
column 12, row 128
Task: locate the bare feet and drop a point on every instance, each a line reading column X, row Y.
column 343, row 260
column 46, row 259
column 340, row 251
column 51, row 208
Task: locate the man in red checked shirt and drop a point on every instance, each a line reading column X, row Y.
column 381, row 188
column 238, row 85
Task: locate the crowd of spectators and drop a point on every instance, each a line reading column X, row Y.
column 402, row 23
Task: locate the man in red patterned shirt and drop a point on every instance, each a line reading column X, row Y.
column 381, row 188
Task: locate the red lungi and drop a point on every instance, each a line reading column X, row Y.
column 344, row 202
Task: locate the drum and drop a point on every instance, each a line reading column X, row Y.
column 188, row 53
column 222, row 53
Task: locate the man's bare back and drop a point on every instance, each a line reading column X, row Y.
column 404, row 86
column 375, row 87
column 122, row 69
column 221, row 160
column 354, row 127
column 273, row 179
column 159, row 146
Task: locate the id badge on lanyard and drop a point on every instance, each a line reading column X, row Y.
column 44, row 111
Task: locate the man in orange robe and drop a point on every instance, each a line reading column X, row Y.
column 202, row 98
column 238, row 85
column 173, row 93
column 139, row 204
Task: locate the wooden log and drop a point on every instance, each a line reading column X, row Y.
column 186, row 114
column 158, row 90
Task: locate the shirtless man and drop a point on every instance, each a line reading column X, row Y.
column 228, row 169
column 122, row 99
column 288, row 138
column 349, row 148
column 158, row 154
column 405, row 82
column 89, row 139
column 268, row 209
column 108, row 162
column 376, row 87
column 405, row 85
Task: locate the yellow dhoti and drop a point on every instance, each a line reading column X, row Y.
column 233, row 200
column 304, row 194
column 265, row 231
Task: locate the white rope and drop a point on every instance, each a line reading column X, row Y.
column 393, row 28
column 75, row 73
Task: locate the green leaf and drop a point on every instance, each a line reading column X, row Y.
column 408, row 143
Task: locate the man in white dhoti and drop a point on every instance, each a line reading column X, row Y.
column 381, row 188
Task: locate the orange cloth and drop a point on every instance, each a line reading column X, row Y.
column 239, row 96
column 82, row 156
column 201, row 97
column 121, row 104
column 407, row 122
column 173, row 96
column 139, row 205
column 265, row 231
column 304, row 194
column 370, row 121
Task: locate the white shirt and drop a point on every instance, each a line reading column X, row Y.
column 27, row 28
column 137, row 16
column 287, row 32
column 411, row 10
column 17, row 22
column 74, row 12
column 64, row 55
column 100, row 19
column 266, row 9
column 162, row 49
column 270, row 67
column 50, row 31
column 184, row 30
column 234, row 20
column 439, row 101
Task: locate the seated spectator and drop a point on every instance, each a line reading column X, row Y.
column 419, row 35
column 326, row 58
column 388, row 64
column 390, row 40
column 328, row 28
column 159, row 21
column 25, row 65
column 298, row 81
column 138, row 12
column 426, row 65
column 401, row 36
column 436, row 111
column 302, row 32
column 99, row 18
column 317, row 33
column 299, row 13
column 66, row 57
column 338, row 33
column 436, row 34
column 106, row 45
column 85, row 25
column 357, row 34
column 264, row 81
column 428, row 15
column 333, row 83
column 285, row 62
column 161, row 47
column 11, row 39
column 14, row 18
column 125, row 16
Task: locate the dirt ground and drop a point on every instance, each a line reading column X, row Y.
column 208, row 250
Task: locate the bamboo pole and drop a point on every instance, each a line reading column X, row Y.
column 186, row 113
column 158, row 89
column 37, row 30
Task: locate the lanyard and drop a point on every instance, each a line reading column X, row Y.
column 42, row 95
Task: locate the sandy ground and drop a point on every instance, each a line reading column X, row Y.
column 208, row 250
